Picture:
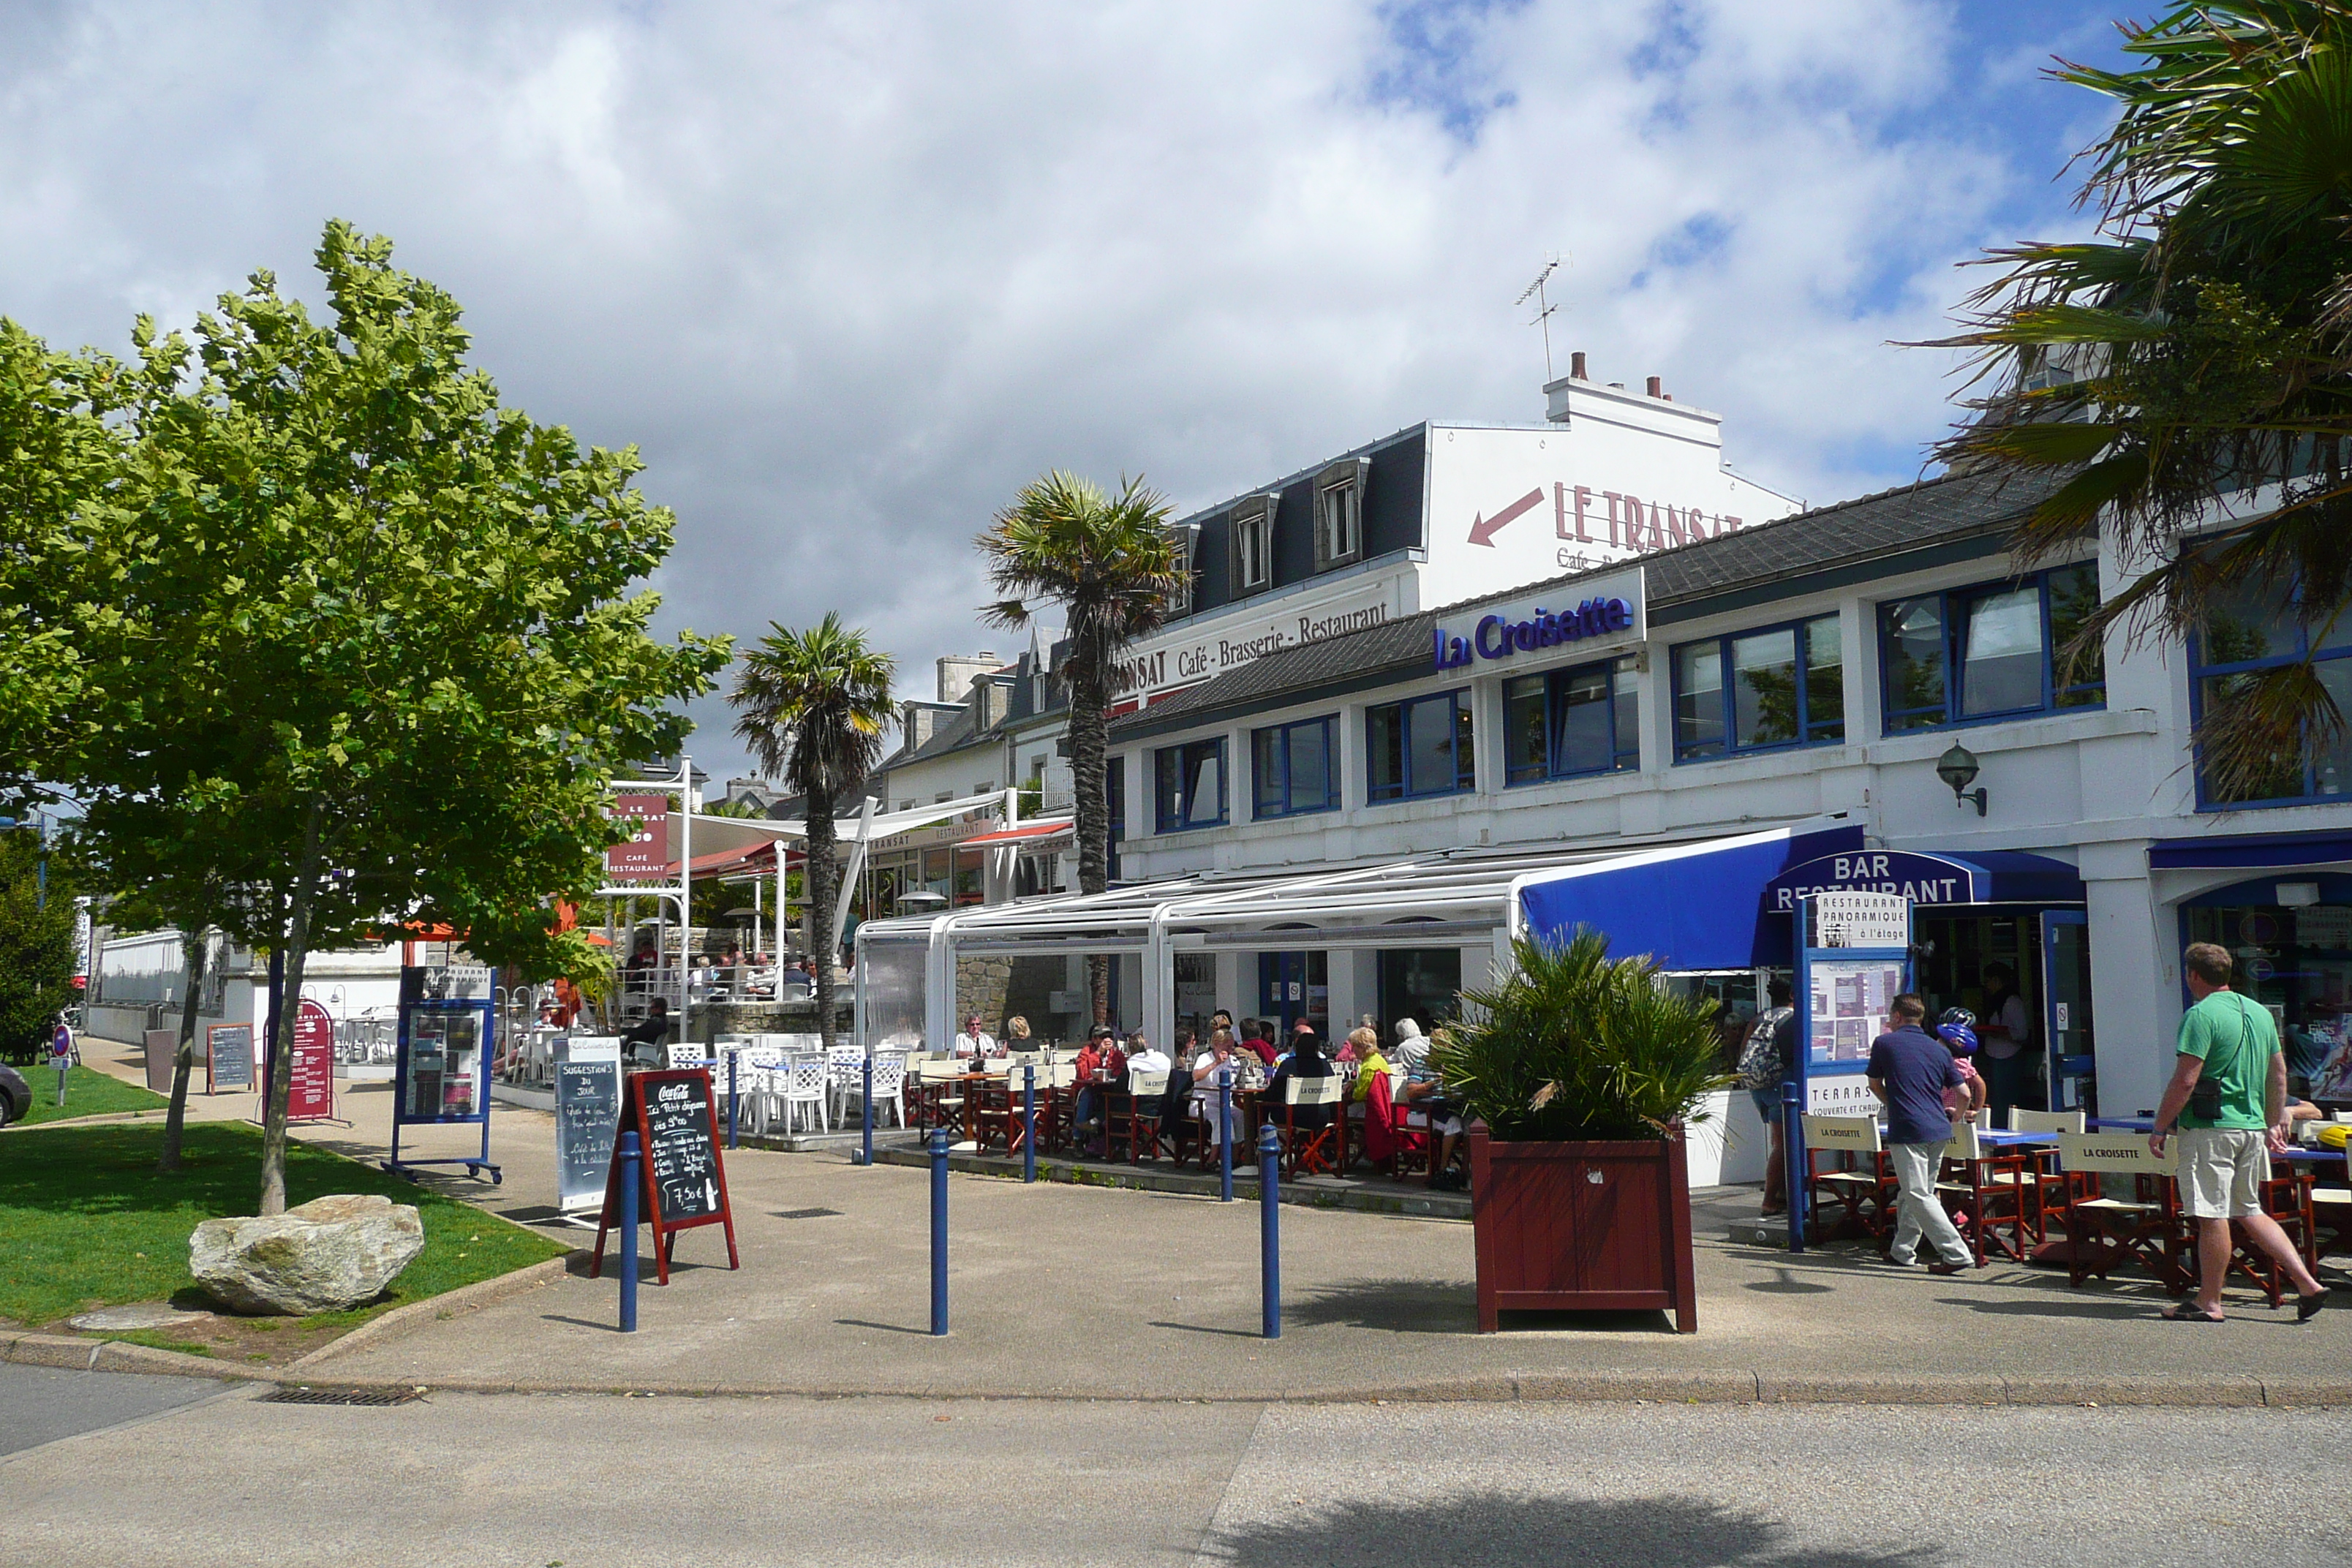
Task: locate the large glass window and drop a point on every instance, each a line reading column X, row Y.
column 1786, row 687
column 1989, row 652
column 1419, row 747
column 2248, row 633
column 1188, row 789
column 1571, row 722
column 1293, row 770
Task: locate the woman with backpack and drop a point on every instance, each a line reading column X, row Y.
column 1767, row 1062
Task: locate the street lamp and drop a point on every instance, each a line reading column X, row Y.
column 1958, row 768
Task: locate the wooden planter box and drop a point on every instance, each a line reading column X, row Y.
column 1582, row 1226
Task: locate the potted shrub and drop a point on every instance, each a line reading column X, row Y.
column 1579, row 1074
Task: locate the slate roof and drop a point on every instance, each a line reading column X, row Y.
column 1866, row 532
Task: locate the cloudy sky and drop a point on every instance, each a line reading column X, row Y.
column 848, row 274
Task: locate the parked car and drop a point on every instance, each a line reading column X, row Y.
column 16, row 1096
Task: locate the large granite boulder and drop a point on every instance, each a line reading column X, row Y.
column 324, row 1256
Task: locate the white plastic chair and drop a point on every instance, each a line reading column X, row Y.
column 889, row 1085
column 846, row 1074
column 803, row 1083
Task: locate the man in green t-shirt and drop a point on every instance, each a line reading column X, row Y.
column 2228, row 1050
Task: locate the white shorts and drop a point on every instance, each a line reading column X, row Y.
column 2221, row 1170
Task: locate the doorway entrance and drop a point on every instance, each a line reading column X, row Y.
column 2026, row 975
column 1294, row 985
column 1420, row 983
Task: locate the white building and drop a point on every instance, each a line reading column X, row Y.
column 1675, row 746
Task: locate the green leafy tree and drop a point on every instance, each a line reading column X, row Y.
column 60, row 462
column 371, row 654
column 1111, row 564
column 36, row 949
column 2199, row 347
column 814, row 705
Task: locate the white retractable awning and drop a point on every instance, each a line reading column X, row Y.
column 1451, row 898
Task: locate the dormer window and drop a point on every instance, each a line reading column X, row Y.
column 1180, row 598
column 1253, row 527
column 1339, row 514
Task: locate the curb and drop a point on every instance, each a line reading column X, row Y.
column 1433, row 1205
column 1721, row 1387
column 448, row 1304
column 78, row 1352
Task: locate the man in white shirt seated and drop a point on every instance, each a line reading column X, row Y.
column 1208, row 1103
column 974, row 1041
column 1142, row 1056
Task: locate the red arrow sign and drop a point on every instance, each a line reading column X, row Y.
column 1482, row 529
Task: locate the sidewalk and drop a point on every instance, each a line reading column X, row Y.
column 1058, row 1291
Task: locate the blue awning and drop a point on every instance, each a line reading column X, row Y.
column 1980, row 877
column 2255, row 850
column 1693, row 906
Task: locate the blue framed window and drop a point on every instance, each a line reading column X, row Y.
column 2253, row 628
column 1975, row 654
column 1293, row 769
column 1188, row 789
column 1571, row 722
column 1765, row 690
column 1419, row 747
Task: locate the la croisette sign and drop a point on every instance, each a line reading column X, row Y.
column 1602, row 611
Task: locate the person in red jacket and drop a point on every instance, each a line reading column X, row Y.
column 1100, row 1063
column 1255, row 1040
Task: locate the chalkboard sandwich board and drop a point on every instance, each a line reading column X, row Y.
column 587, row 1118
column 230, row 1048
column 685, row 1185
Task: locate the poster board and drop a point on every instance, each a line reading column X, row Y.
column 675, row 1115
column 310, row 1096
column 587, row 1118
column 438, row 1074
column 228, row 1048
column 1853, row 956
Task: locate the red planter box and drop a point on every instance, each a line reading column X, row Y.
column 1582, row 1226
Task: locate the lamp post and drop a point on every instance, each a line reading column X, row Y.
column 1958, row 768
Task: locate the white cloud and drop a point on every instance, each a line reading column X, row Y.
column 850, row 273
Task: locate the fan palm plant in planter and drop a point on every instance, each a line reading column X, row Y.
column 1578, row 1074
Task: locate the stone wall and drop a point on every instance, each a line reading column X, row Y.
column 981, row 986
column 713, row 1019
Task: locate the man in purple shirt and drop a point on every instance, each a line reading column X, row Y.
column 1910, row 1070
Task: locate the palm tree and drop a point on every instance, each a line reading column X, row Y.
column 2201, row 344
column 814, row 706
column 1111, row 564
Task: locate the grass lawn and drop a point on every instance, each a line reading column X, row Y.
column 86, row 1222
column 88, row 1092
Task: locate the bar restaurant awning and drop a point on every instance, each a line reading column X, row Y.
column 1688, row 906
column 1980, row 877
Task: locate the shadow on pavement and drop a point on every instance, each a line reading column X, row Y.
column 1205, row 1329
column 2143, row 1308
column 885, row 1328
column 1399, row 1306
column 1788, row 1284
column 1497, row 1527
column 579, row 1322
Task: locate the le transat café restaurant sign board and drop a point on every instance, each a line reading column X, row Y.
column 1855, row 951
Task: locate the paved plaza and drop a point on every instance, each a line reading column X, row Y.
column 1074, row 1291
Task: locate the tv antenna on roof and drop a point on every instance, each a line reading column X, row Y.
column 1544, row 309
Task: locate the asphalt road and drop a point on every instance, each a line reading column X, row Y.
column 196, row 1477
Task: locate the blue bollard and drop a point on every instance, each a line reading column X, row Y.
column 1029, row 1122
column 1269, row 1202
column 732, row 1058
column 1792, row 1147
column 1225, row 1139
column 630, row 1177
column 866, row 1110
column 939, row 1230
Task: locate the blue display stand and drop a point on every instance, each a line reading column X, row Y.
column 1853, row 954
column 441, row 1079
